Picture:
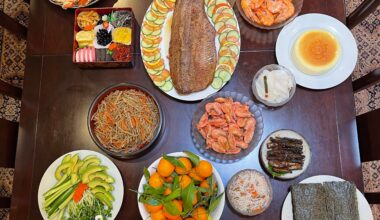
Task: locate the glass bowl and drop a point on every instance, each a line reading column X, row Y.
column 199, row 141
column 270, row 68
column 94, row 107
column 297, row 9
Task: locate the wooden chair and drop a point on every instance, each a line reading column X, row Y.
column 368, row 124
column 8, row 137
column 13, row 26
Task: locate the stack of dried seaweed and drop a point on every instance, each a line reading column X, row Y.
column 330, row 201
column 285, row 154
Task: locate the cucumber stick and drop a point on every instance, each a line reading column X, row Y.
column 55, row 205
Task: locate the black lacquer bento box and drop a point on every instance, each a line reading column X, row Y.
column 104, row 37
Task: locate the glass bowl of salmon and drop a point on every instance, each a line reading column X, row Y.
column 269, row 14
column 226, row 127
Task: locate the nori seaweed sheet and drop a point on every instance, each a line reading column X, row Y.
column 309, row 202
column 330, row 201
column 341, row 200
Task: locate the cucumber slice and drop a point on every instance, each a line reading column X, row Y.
column 234, row 48
column 145, row 44
column 159, row 83
column 233, row 34
column 210, row 3
column 159, row 21
column 222, row 36
column 218, row 25
column 226, row 60
column 167, row 86
column 146, row 31
column 217, row 83
column 150, row 17
column 217, row 2
column 156, row 33
column 224, row 75
column 152, row 59
column 231, row 22
column 227, row 10
column 152, row 71
column 210, row 10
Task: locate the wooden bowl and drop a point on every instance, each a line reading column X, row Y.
column 297, row 6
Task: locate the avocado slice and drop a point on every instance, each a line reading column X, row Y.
column 60, row 169
column 77, row 167
column 103, row 199
column 99, row 183
column 92, row 161
column 102, row 175
column 89, row 157
column 90, row 170
column 66, row 159
column 101, row 190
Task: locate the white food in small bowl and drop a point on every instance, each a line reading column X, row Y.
column 273, row 85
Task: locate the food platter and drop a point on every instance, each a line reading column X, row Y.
column 155, row 40
column 344, row 66
column 364, row 208
column 48, row 180
column 62, row 2
column 200, row 142
column 216, row 214
column 289, row 134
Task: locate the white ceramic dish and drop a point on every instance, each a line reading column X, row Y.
column 165, row 83
column 152, row 168
column 270, row 68
column 289, row 134
column 365, row 212
column 346, row 63
column 48, row 180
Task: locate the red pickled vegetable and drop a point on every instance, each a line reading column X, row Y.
column 78, row 194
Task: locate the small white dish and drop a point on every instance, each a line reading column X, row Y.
column 289, row 134
column 365, row 212
column 152, row 168
column 48, row 181
column 96, row 29
column 272, row 67
column 343, row 68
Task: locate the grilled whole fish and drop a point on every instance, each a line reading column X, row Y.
column 192, row 51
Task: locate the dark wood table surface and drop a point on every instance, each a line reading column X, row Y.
column 57, row 95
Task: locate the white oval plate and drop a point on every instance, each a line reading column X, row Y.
column 345, row 64
column 152, row 168
column 365, row 212
column 48, row 180
column 289, row 134
column 166, row 85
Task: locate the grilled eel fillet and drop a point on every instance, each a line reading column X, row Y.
column 192, row 51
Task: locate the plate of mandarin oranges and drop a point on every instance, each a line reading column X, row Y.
column 181, row 185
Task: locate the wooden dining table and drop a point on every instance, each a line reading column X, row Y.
column 57, row 95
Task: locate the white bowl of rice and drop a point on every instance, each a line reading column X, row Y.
column 249, row 192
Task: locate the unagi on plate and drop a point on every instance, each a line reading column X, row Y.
column 192, row 51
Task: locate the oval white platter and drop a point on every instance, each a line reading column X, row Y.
column 155, row 40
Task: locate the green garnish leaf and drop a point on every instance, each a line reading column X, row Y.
column 146, row 174
column 153, row 191
column 274, row 173
column 211, row 183
column 193, row 157
column 175, row 194
column 174, row 161
column 176, row 184
column 148, row 199
column 188, row 197
column 171, row 208
column 214, row 202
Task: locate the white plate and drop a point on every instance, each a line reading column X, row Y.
column 289, row 134
column 345, row 64
column 365, row 212
column 152, row 168
column 48, row 180
column 165, row 33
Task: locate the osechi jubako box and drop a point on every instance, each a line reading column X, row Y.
column 104, row 37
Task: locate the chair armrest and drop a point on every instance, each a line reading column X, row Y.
column 360, row 13
column 5, row 202
column 367, row 80
column 9, row 90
